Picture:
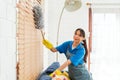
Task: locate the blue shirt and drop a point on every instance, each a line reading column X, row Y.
column 78, row 52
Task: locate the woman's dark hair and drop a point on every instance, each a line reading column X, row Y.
column 82, row 34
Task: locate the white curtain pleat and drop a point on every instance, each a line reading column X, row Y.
column 106, row 44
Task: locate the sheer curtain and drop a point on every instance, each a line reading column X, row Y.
column 106, row 44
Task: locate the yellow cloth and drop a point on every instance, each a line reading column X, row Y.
column 58, row 75
column 47, row 44
column 56, row 72
column 66, row 74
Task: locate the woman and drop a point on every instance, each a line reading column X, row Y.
column 76, row 53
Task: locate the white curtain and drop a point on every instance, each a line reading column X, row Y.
column 105, row 55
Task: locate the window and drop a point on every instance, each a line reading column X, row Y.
column 106, row 44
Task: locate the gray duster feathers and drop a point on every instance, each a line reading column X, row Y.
column 38, row 17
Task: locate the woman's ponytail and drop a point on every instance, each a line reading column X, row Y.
column 86, row 51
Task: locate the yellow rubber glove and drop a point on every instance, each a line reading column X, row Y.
column 66, row 74
column 56, row 72
column 47, row 44
column 58, row 75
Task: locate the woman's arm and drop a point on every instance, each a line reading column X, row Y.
column 64, row 65
column 53, row 49
column 58, row 71
column 49, row 45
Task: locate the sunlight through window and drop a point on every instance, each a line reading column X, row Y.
column 106, row 46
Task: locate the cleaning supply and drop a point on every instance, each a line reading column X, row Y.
column 47, row 44
column 58, row 75
column 39, row 23
column 66, row 74
column 56, row 72
column 38, row 18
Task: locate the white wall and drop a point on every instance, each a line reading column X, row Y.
column 7, row 40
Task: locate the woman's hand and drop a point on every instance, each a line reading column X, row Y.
column 58, row 75
column 56, row 72
column 47, row 44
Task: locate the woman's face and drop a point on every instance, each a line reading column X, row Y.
column 78, row 37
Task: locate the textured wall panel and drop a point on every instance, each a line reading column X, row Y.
column 29, row 40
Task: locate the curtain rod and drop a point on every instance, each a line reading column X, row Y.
column 89, row 4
